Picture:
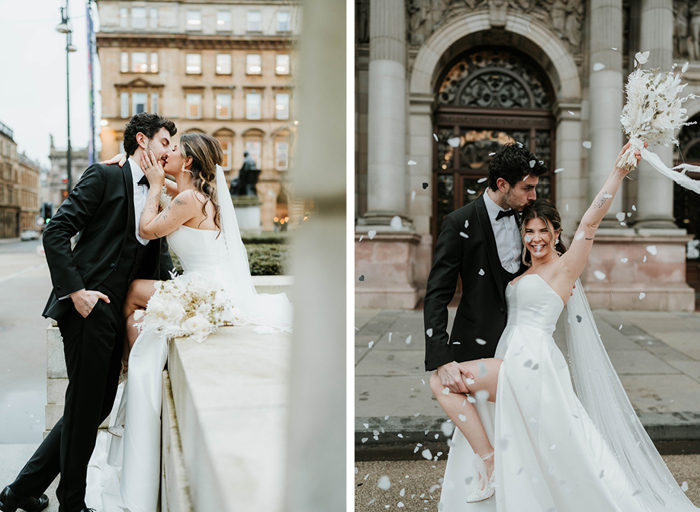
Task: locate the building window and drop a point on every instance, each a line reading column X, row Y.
column 223, row 64
column 253, row 149
column 282, row 106
column 226, row 148
column 253, row 102
column 138, row 102
column 253, row 64
column 124, row 105
column 139, row 63
column 223, row 20
column 281, row 155
column 282, row 67
column 154, row 62
column 194, row 64
column 194, row 106
column 283, row 21
column 254, row 21
column 194, row 20
column 138, row 17
column 124, row 17
column 154, row 103
column 223, row 106
column 125, row 62
column 154, row 18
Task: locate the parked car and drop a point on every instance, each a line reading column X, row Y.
column 29, row 234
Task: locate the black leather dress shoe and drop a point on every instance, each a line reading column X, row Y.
column 9, row 502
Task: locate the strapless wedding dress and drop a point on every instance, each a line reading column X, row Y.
column 124, row 472
column 549, row 455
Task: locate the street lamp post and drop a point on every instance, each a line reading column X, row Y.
column 64, row 28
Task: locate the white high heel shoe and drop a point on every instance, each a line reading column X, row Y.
column 489, row 489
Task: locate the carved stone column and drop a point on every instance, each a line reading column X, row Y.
column 655, row 192
column 605, row 98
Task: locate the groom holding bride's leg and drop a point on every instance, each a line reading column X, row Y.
column 90, row 282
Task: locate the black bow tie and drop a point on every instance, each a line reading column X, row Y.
column 144, row 181
column 506, row 213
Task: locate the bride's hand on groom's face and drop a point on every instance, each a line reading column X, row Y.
column 153, row 169
column 117, row 159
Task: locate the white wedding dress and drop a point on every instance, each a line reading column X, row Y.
column 124, row 472
column 550, row 455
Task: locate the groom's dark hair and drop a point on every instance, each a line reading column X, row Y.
column 149, row 125
column 512, row 163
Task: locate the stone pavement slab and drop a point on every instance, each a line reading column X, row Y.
column 656, row 355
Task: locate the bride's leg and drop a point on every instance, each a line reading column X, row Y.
column 139, row 293
column 456, row 404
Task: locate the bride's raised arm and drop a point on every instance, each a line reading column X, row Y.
column 574, row 260
column 120, row 159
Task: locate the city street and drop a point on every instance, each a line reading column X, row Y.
column 24, row 288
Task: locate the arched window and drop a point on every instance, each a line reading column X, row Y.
column 225, row 138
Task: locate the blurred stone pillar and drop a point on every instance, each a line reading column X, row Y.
column 606, row 96
column 655, row 191
column 316, row 462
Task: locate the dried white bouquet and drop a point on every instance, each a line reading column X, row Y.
column 187, row 305
column 654, row 111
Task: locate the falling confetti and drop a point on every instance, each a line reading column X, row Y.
column 384, row 482
column 527, row 238
column 370, row 344
column 491, row 154
column 429, row 332
column 570, row 112
column 469, row 381
column 642, row 295
column 362, row 277
column 620, row 216
column 651, row 249
column 567, row 207
column 408, row 339
column 447, row 428
column 624, row 260
column 620, row 328
column 466, row 224
column 481, row 180
column 471, row 400
column 365, row 439
column 361, row 237
column 644, row 260
column 587, row 144
column 470, row 191
column 453, row 141
column 480, row 341
column 425, row 185
column 462, row 417
column 579, row 235
column 558, row 170
column 634, row 208
column 435, row 137
column 413, row 195
column 396, row 223
column 598, row 66
column 684, row 485
column 446, row 391
column 389, row 337
column 463, row 234
column 481, row 272
column 599, row 275
column 613, row 48
column 372, row 234
column 427, row 454
column 412, row 162
column 532, row 163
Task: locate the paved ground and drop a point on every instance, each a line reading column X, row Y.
column 656, row 355
column 415, row 485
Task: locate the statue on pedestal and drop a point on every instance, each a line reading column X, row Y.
column 244, row 184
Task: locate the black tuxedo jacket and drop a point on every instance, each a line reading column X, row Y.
column 482, row 310
column 101, row 207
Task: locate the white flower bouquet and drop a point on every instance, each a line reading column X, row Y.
column 187, row 306
column 653, row 112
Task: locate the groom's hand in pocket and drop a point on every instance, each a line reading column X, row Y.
column 451, row 377
column 85, row 300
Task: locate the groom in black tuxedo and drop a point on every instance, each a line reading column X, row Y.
column 90, row 282
column 481, row 243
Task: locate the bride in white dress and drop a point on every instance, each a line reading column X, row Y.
column 201, row 228
column 525, row 431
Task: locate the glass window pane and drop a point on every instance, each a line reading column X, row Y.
column 138, row 103
column 253, row 149
column 281, row 155
column 223, row 64
column 154, row 18
column 154, row 62
column 194, row 104
column 124, row 105
column 125, row 62
column 226, row 148
column 194, row 20
column 252, row 105
column 283, row 22
column 223, row 20
column 282, row 67
column 254, row 21
column 253, row 64
column 138, row 17
column 223, row 106
column 194, row 63
column 282, row 106
column 124, row 17
column 138, row 62
column 154, row 103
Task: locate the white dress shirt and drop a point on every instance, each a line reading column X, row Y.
column 140, row 197
column 507, row 235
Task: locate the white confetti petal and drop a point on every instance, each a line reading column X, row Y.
column 613, row 48
column 481, row 272
column 371, row 234
column 620, row 216
column 481, row 180
column 558, row 170
column 587, row 144
column 446, row 391
column 532, row 163
column 598, row 66
column 642, row 57
column 684, row 485
column 463, row 234
column 361, row 237
column 435, row 137
column 624, row 260
column 466, row 224
column 651, row 249
column 384, row 482
column 599, row 275
column 429, row 332
column 491, row 154
column 366, row 425
column 527, row 238
column 408, row 339
column 570, row 112
column 412, row 162
column 370, row 344
column 447, row 428
column 579, row 235
column 642, row 295
column 644, row 260
column 453, row 141
column 426, row 454
column 480, row 341
column 471, row 399
column 634, row 208
column 396, row 223
column 620, row 328
column 469, row 381
column 462, row 417
column 685, row 67
column 365, row 439
column 413, row 195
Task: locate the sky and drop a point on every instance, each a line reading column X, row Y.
column 33, row 83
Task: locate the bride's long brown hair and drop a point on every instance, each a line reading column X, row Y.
column 206, row 154
column 545, row 210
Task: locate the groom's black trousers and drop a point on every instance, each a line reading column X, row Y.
column 93, row 349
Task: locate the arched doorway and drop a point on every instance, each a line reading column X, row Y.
column 485, row 98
